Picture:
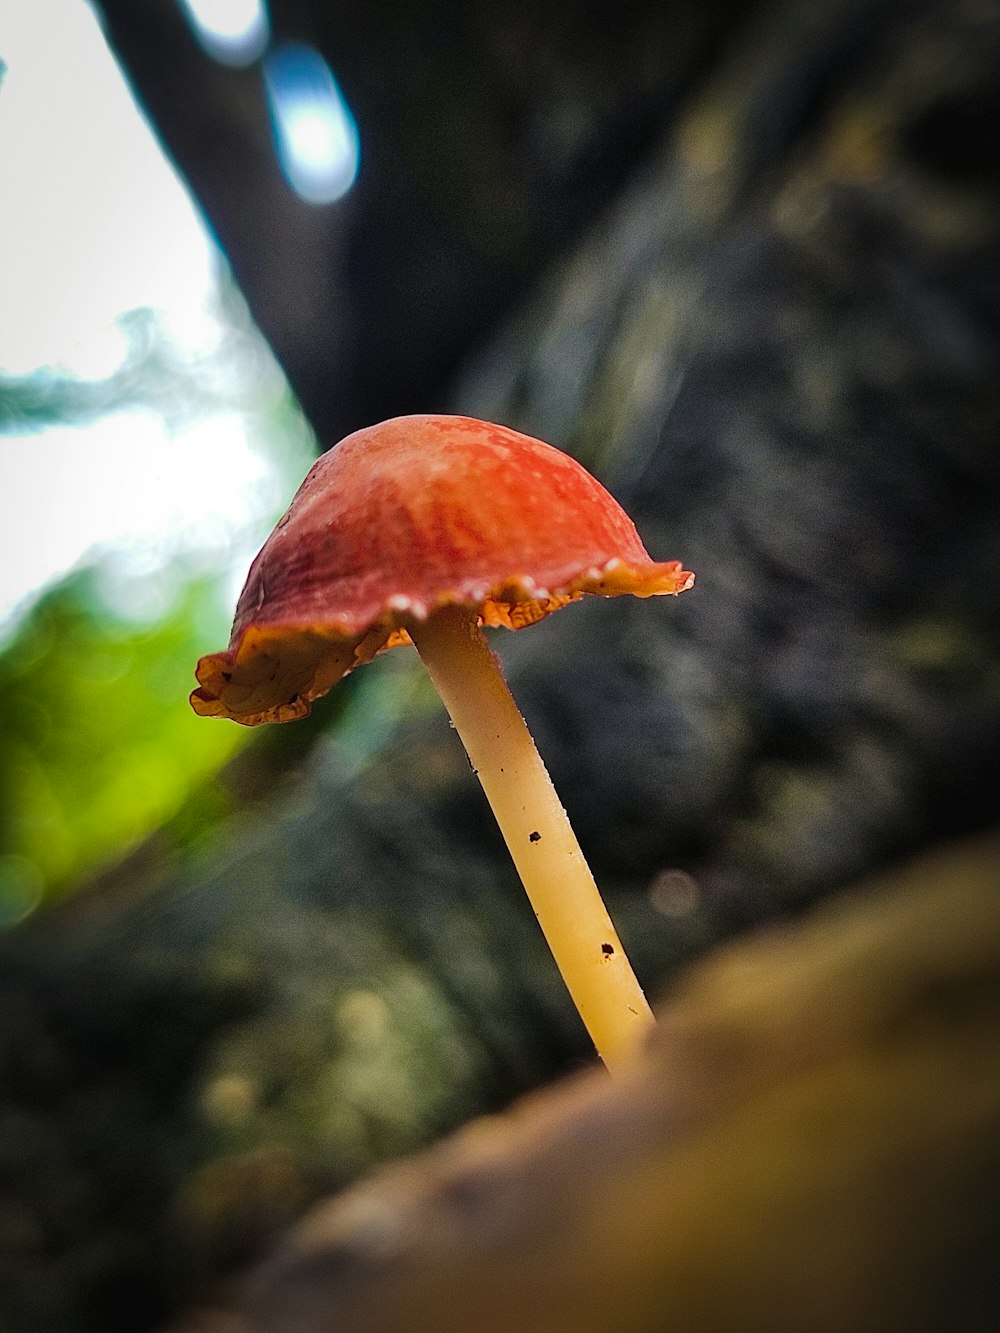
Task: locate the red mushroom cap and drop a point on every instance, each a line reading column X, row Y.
column 404, row 517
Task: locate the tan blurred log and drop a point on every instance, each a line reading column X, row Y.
column 811, row 1142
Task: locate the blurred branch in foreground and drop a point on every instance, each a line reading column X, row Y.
column 811, row 1143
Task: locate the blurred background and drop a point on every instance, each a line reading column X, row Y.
column 741, row 260
column 153, row 425
column 149, row 439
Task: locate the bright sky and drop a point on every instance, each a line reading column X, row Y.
column 233, row 31
column 93, row 223
column 316, row 137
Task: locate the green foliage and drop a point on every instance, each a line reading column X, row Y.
column 99, row 745
column 157, row 372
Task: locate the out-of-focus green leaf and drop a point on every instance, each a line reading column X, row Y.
column 99, row 745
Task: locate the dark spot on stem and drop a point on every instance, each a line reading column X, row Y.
column 534, row 837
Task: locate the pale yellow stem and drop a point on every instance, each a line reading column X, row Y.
column 534, row 824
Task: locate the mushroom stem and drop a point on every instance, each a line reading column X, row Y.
column 566, row 901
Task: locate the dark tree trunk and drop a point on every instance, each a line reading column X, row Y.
column 491, row 136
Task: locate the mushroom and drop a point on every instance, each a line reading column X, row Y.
column 421, row 530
